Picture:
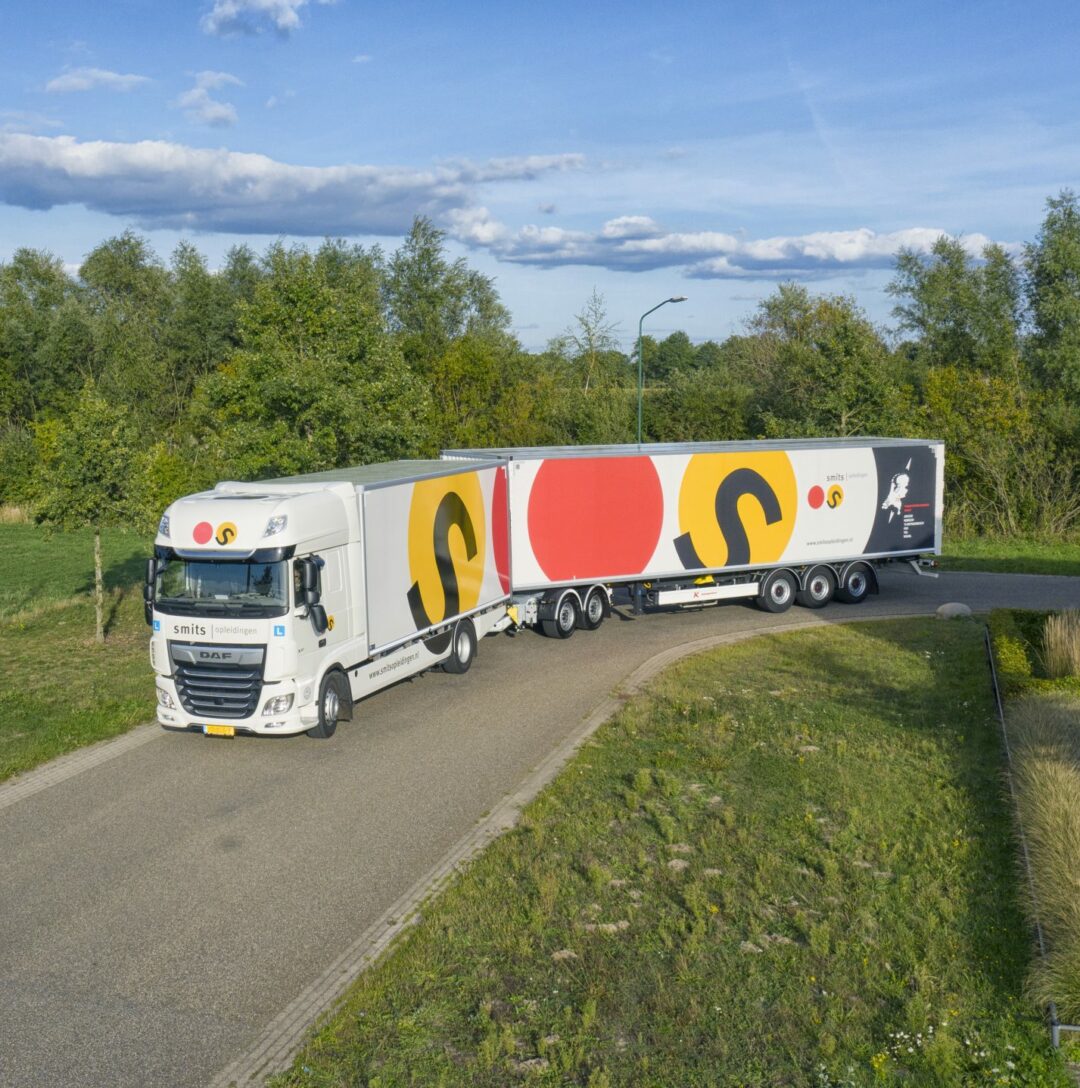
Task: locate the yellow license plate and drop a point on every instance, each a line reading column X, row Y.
column 220, row 730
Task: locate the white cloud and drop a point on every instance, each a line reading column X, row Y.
column 166, row 185
column 362, row 58
column 200, row 105
column 158, row 184
column 253, row 16
column 638, row 243
column 90, row 79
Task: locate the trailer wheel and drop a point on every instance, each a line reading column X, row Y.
column 595, row 611
column 819, row 589
column 855, row 586
column 463, row 648
column 335, row 704
column 564, row 619
column 778, row 592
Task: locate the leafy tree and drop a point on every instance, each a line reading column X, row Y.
column 962, row 313
column 1004, row 474
column 487, row 392
column 241, row 273
column 316, row 382
column 590, row 347
column 43, row 337
column 696, row 405
column 128, row 296
column 430, row 301
column 819, row 367
column 672, row 355
column 86, row 465
column 1052, row 264
column 200, row 327
column 19, row 456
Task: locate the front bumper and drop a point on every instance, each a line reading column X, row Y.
column 298, row 719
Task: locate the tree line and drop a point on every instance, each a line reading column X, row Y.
column 136, row 380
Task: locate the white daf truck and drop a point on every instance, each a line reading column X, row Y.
column 278, row 604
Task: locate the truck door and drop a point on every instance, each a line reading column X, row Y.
column 314, row 646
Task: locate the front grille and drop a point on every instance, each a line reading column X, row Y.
column 218, row 689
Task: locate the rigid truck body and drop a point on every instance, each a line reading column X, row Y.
column 276, row 605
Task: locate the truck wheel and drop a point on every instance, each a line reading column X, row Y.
column 778, row 593
column 855, row 587
column 820, row 587
column 335, row 703
column 595, row 611
column 564, row 620
column 462, row 648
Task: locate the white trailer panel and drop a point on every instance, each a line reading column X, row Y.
column 435, row 547
column 622, row 513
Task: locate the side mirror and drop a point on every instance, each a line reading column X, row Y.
column 309, row 582
column 149, row 589
column 318, row 618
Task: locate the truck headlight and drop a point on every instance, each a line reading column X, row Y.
column 279, row 704
column 165, row 699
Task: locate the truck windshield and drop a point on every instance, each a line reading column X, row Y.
column 230, row 587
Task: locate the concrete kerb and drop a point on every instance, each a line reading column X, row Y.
column 273, row 1051
column 68, row 766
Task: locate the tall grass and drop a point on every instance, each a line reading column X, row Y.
column 13, row 515
column 1046, row 739
column 1061, row 644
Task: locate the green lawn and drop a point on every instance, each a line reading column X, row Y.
column 1017, row 556
column 59, row 690
column 40, row 569
column 791, row 863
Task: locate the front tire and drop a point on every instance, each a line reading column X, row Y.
column 778, row 593
column 335, row 704
column 462, row 648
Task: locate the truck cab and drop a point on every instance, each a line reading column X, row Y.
column 251, row 596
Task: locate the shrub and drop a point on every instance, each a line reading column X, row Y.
column 1061, row 645
column 1010, row 652
column 1046, row 734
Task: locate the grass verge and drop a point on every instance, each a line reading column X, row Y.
column 59, row 690
column 1045, row 739
column 1015, row 556
column 1043, row 720
column 788, row 864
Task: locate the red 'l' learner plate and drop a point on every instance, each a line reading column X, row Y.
column 220, row 730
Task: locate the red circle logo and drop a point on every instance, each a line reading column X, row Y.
column 203, row 532
column 595, row 517
column 816, row 497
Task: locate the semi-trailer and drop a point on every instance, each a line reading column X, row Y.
column 276, row 605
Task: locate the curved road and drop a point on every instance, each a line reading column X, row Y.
column 165, row 897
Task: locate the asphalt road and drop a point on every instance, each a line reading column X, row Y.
column 159, row 909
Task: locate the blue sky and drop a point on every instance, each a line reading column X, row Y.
column 705, row 149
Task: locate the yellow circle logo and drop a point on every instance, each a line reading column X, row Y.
column 735, row 509
column 226, row 533
column 447, row 545
column 835, row 496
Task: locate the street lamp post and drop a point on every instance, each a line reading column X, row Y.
column 640, row 356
